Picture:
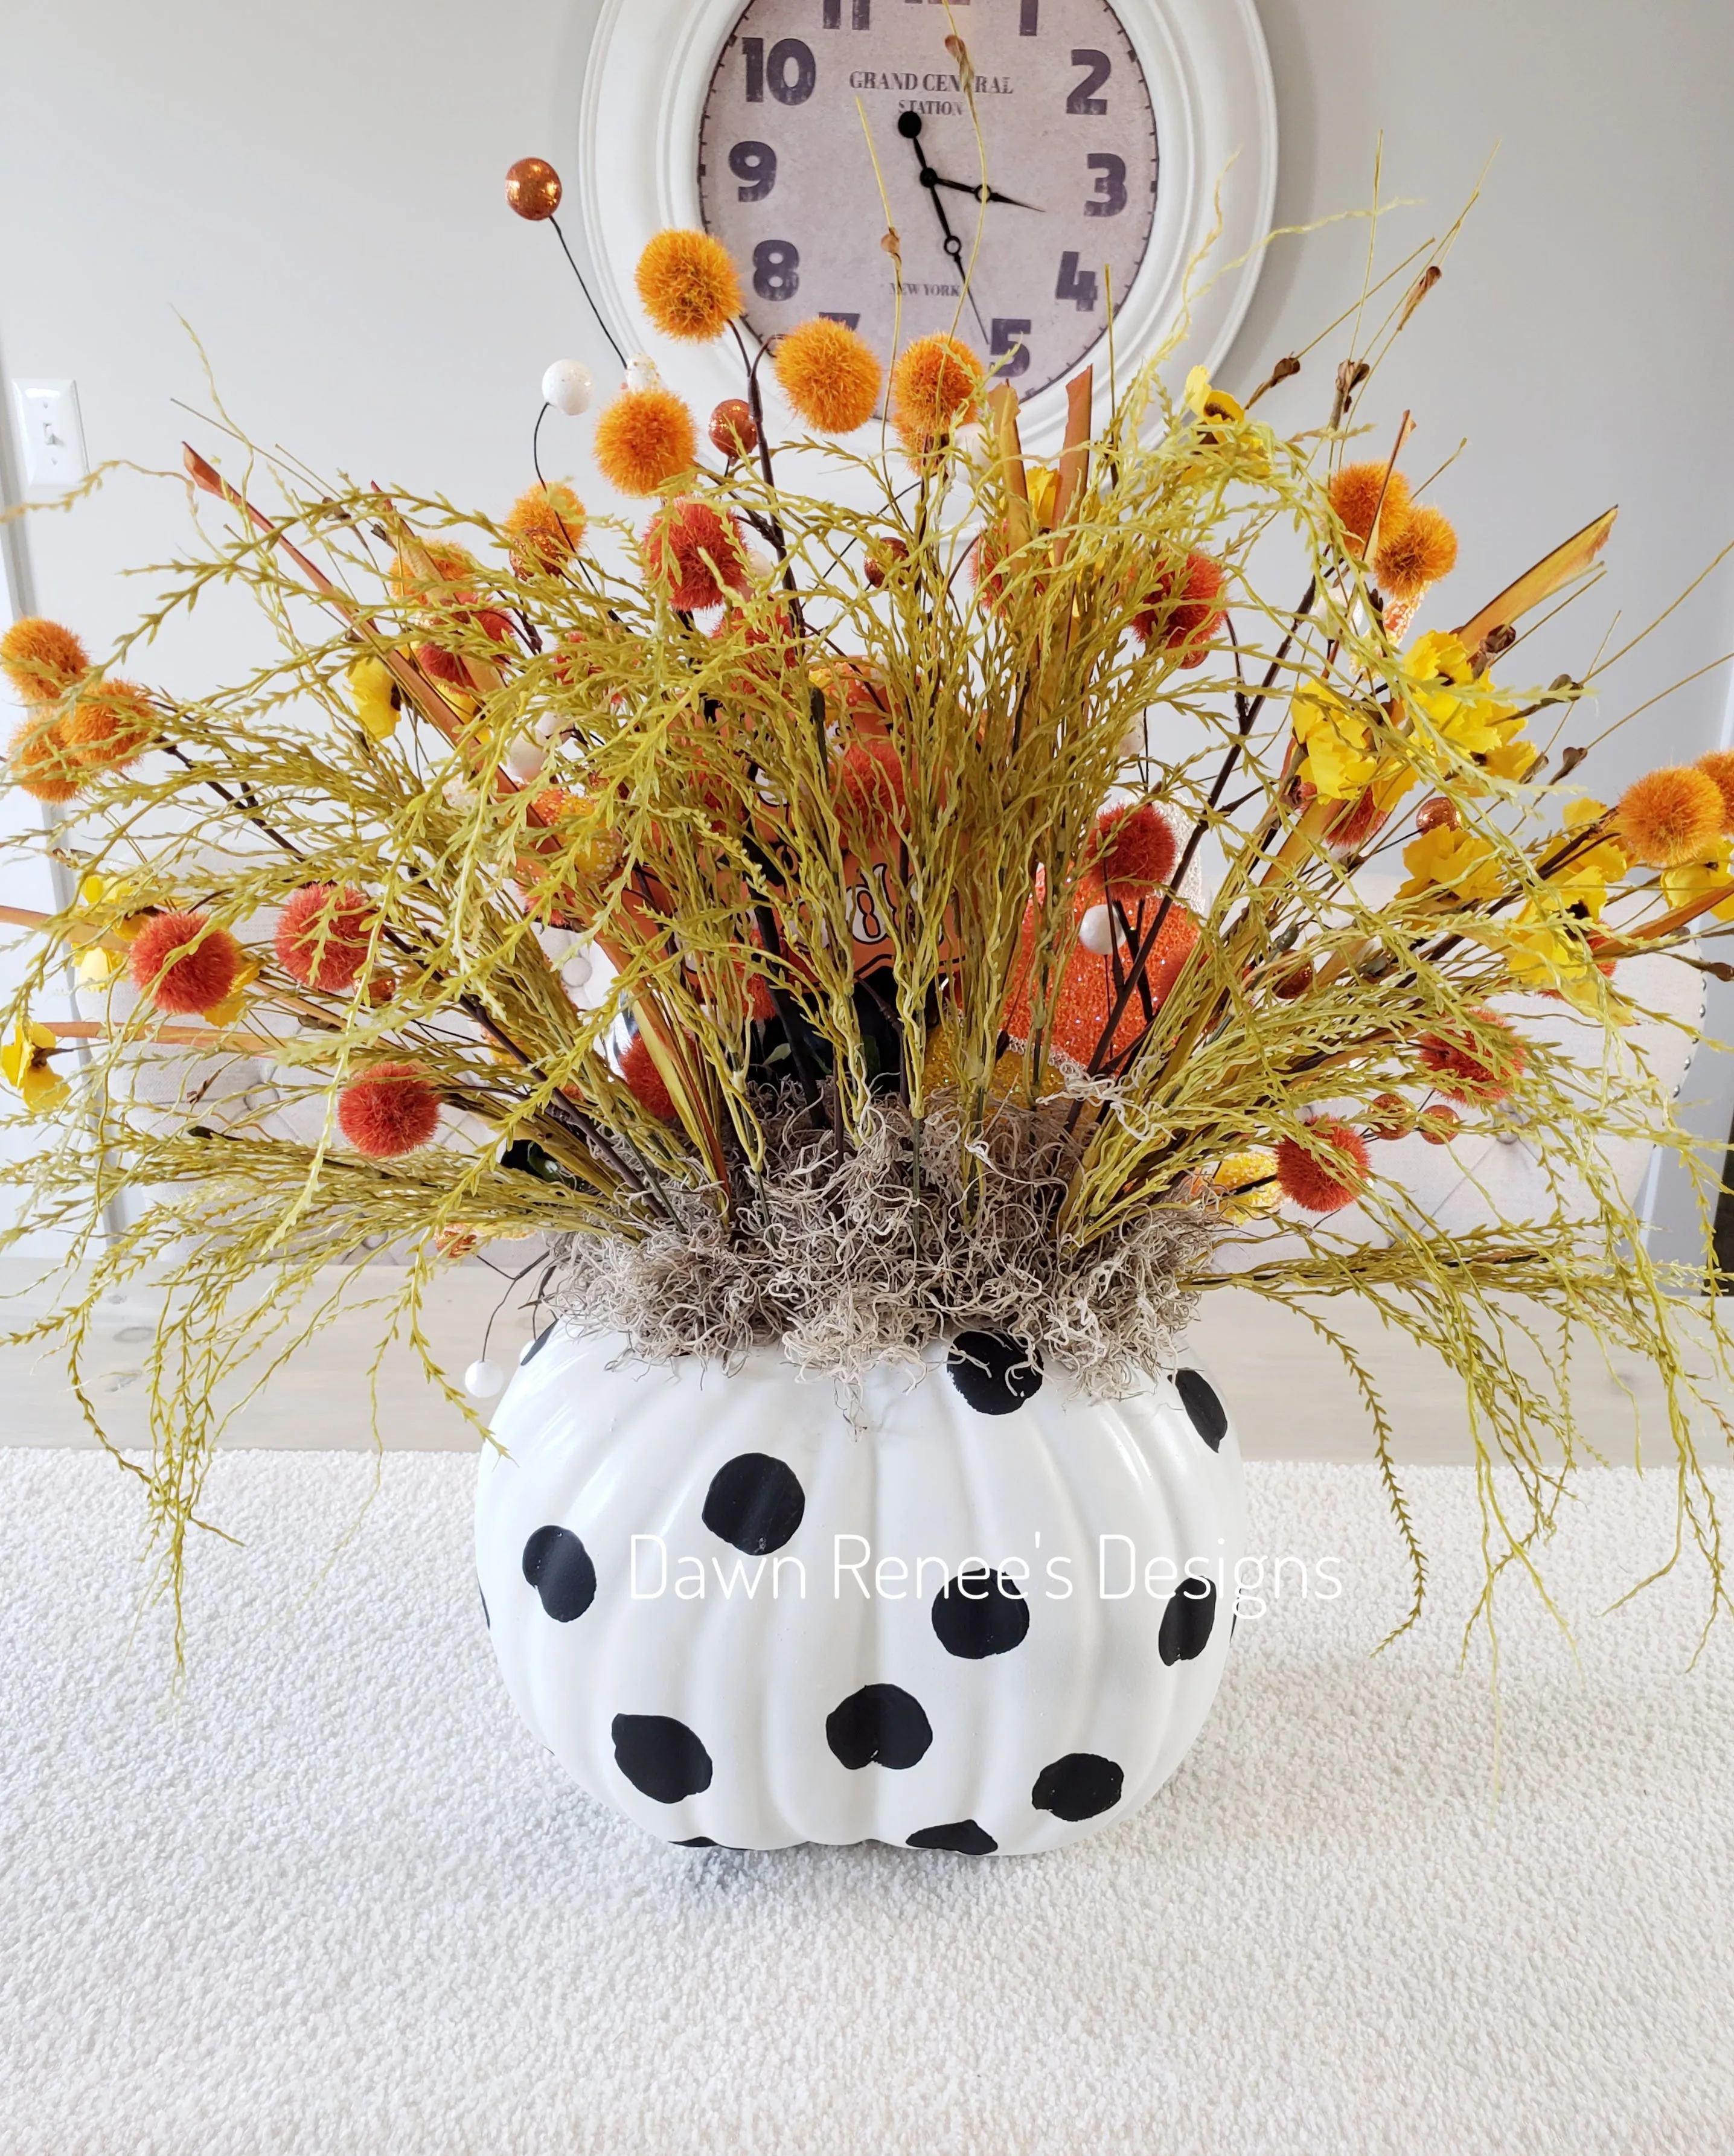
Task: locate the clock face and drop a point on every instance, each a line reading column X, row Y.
column 786, row 180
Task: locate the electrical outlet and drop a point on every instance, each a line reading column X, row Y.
column 52, row 432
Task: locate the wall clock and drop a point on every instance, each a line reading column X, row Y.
column 1110, row 128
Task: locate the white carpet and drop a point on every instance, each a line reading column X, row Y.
column 340, row 1903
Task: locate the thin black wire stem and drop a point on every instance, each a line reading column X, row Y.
column 602, row 319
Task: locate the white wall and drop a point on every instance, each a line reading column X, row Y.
column 317, row 190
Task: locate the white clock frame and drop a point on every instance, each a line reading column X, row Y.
column 651, row 62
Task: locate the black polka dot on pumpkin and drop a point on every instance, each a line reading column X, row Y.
column 1197, row 1396
column 696, row 1841
column 486, row 1619
column 880, row 1725
column 995, row 1374
column 980, row 1613
column 558, row 1567
column 754, row 1502
column 962, row 1835
column 660, row 1757
column 1188, row 1620
column 1078, row 1786
column 536, row 1346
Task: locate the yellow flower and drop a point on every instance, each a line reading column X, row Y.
column 25, row 1063
column 1464, row 710
column 1462, row 862
column 373, row 692
column 1208, row 404
column 1681, row 886
column 1245, row 1186
column 98, row 965
column 235, row 1002
column 1043, row 486
column 1339, row 761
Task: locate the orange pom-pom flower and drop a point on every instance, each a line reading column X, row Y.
column 389, row 1112
column 1183, row 610
column 870, row 788
column 1670, row 817
column 1138, row 846
column 646, row 438
column 688, row 286
column 694, row 555
column 323, row 934
column 544, row 527
column 183, row 963
column 1413, row 553
column 936, row 385
column 41, row 765
column 1327, row 1174
column 1355, row 492
column 1478, row 1068
column 41, row 660
column 829, row 375
column 638, row 1067
column 109, row 725
column 1719, row 766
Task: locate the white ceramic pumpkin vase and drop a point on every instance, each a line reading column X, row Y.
column 967, row 1609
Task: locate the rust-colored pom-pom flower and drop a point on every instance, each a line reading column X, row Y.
column 388, row 1111
column 694, row 554
column 1328, row 1175
column 322, row 936
column 1355, row 496
column 1481, row 1067
column 1183, row 610
column 1719, row 766
column 544, row 527
column 688, row 286
column 1415, row 553
column 829, row 375
column 1670, row 817
column 111, row 725
column 733, row 430
column 936, row 385
column 184, row 963
column 40, row 764
column 871, row 788
column 1138, row 848
column 638, row 1067
column 40, row 659
column 646, row 438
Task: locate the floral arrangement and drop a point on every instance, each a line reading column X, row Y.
column 990, row 907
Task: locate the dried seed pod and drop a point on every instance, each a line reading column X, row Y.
column 1438, row 814
column 1438, row 1125
column 1389, row 1116
column 1295, row 982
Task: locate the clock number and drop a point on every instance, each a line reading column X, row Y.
column 754, row 164
column 1007, row 344
column 1097, row 67
column 1026, row 14
column 1076, row 283
column 777, row 266
column 790, row 70
column 1110, row 183
column 860, row 15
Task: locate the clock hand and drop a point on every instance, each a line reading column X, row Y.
column 930, row 178
column 909, row 126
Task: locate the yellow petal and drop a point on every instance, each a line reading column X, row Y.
column 43, row 1089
